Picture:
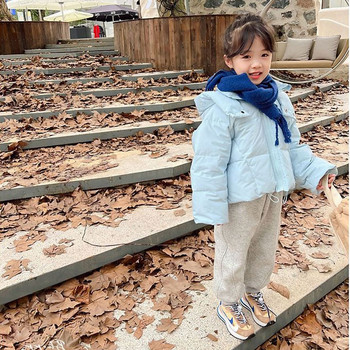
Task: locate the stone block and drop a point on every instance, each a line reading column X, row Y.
column 287, row 14
column 312, row 31
column 279, row 30
column 310, row 17
column 236, row 3
column 213, row 3
column 278, row 4
column 306, row 3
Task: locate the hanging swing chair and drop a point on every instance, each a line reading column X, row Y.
column 284, row 64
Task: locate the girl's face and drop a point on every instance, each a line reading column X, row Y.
column 256, row 62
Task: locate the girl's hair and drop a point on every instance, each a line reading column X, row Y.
column 240, row 34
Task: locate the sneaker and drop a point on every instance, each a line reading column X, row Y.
column 255, row 303
column 235, row 321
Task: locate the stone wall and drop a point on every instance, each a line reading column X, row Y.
column 290, row 18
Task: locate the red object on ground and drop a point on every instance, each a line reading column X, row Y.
column 96, row 31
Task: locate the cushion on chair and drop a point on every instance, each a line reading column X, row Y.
column 315, row 64
column 297, row 49
column 325, row 47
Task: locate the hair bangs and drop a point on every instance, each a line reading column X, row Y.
column 240, row 35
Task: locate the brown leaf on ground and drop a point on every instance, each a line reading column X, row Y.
column 16, row 145
column 174, row 285
column 15, row 267
column 284, row 346
column 70, row 342
column 177, row 157
column 320, row 255
column 179, row 212
column 65, row 305
column 212, row 337
column 81, row 293
column 309, row 324
column 299, row 346
column 55, row 297
column 323, row 268
column 160, row 153
column 160, row 345
column 25, row 242
column 148, row 283
column 54, row 250
column 5, row 329
column 161, row 305
column 166, row 325
column 342, row 343
column 279, row 288
column 307, row 203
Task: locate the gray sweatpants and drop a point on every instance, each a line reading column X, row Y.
column 245, row 247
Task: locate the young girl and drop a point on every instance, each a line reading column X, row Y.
column 247, row 157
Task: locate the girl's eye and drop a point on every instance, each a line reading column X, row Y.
column 265, row 55
column 245, row 57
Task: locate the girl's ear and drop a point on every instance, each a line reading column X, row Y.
column 228, row 61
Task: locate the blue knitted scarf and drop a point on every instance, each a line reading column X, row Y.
column 261, row 96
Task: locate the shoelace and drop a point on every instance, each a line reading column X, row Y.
column 258, row 297
column 237, row 311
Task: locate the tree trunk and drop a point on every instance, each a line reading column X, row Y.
column 5, row 14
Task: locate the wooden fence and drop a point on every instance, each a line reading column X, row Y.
column 188, row 42
column 15, row 37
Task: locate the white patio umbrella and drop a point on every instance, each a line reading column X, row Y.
column 56, row 4
column 68, row 16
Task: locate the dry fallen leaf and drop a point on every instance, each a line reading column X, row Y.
column 15, row 267
column 160, row 345
column 279, row 288
column 180, row 212
column 309, row 324
column 212, row 337
column 320, row 255
column 54, row 250
column 323, row 268
column 16, row 145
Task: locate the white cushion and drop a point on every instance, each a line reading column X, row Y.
column 297, row 49
column 325, row 47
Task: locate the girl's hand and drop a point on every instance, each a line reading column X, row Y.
column 331, row 178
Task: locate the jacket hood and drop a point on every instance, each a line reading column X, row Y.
column 228, row 102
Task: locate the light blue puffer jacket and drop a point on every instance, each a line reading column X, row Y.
column 236, row 158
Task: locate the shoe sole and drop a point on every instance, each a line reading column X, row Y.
column 256, row 320
column 229, row 327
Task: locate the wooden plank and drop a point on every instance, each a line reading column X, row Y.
column 187, row 41
column 158, row 44
column 183, row 44
column 146, row 54
column 152, row 45
column 178, row 42
column 212, row 45
column 15, row 37
column 220, row 30
column 165, row 44
column 137, row 42
column 196, row 42
column 173, row 47
column 141, row 52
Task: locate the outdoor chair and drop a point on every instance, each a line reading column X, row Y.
column 326, row 53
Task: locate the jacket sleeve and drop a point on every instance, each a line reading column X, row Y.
column 212, row 147
column 308, row 169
